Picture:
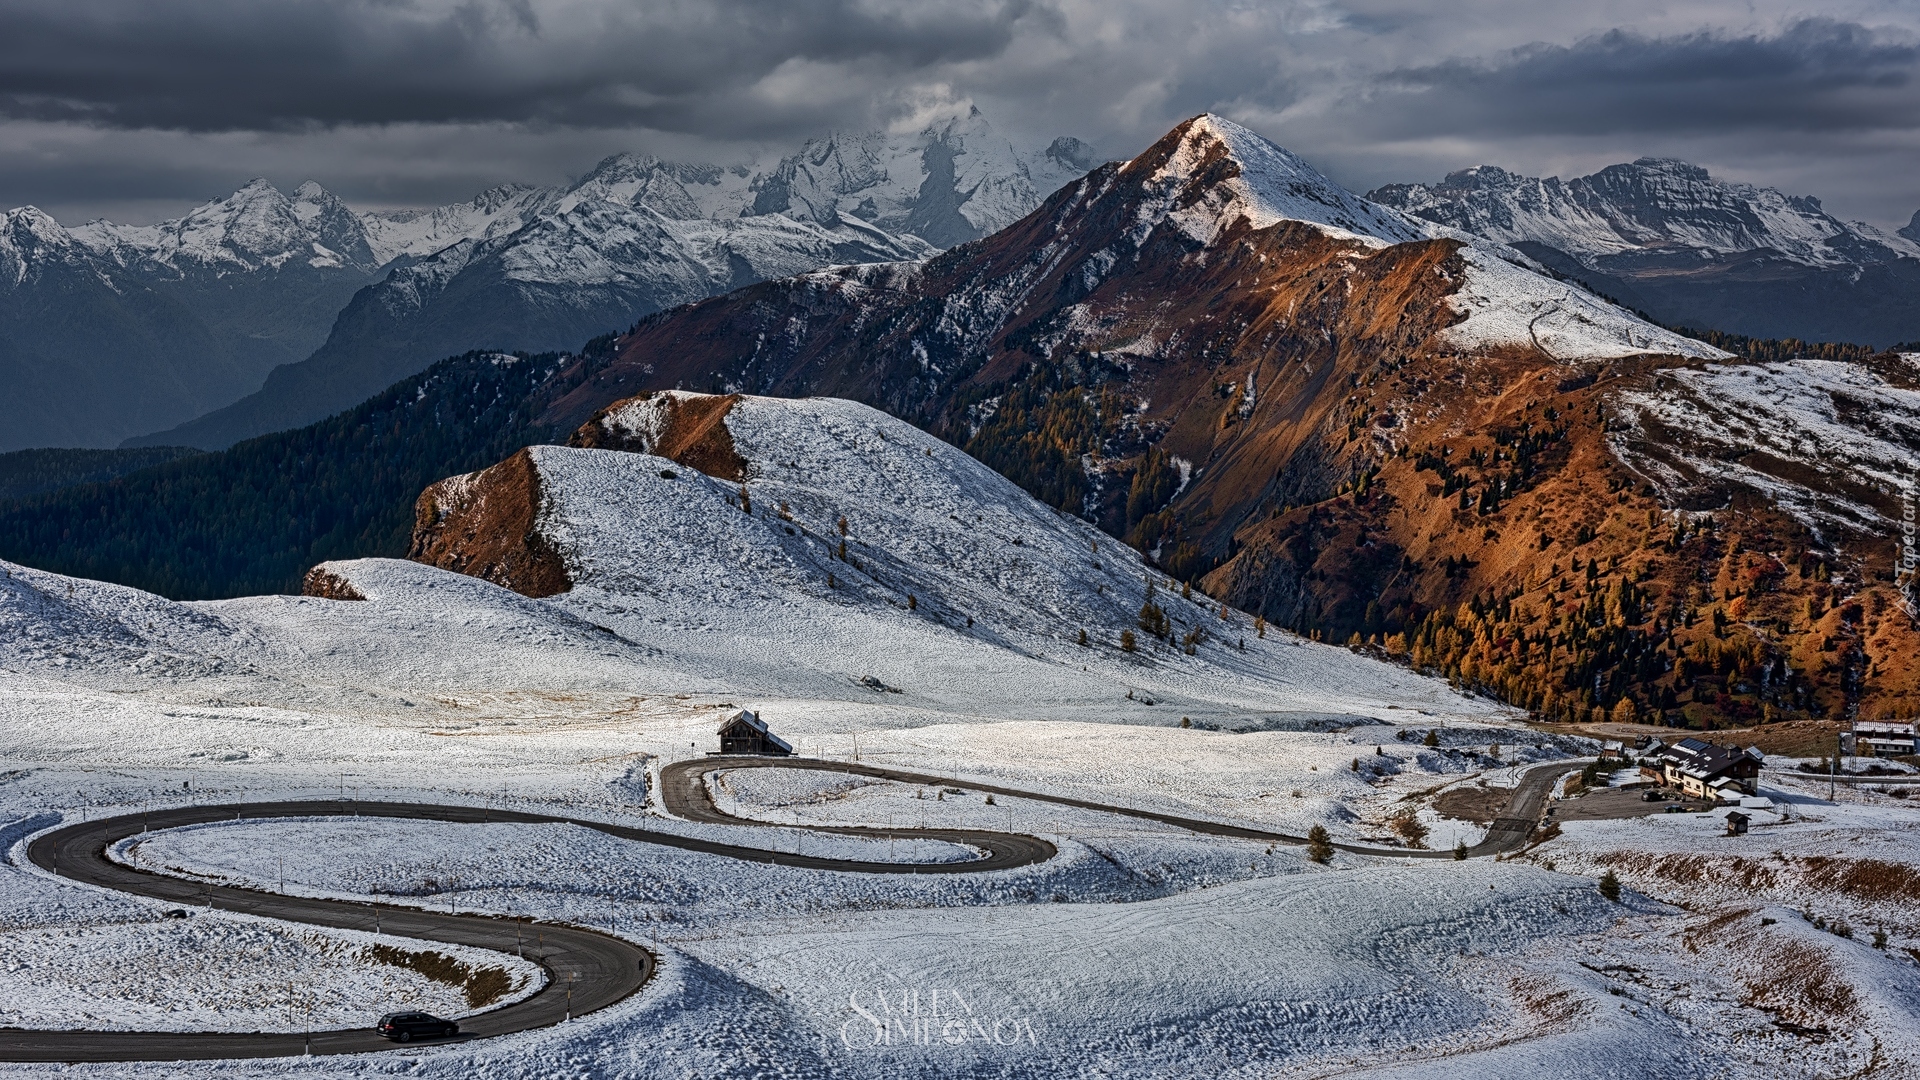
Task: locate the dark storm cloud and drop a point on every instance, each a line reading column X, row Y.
column 227, row 65
column 1814, row 75
column 138, row 107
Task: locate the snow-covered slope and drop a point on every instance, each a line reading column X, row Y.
column 952, row 581
column 1505, row 304
column 1828, row 442
column 1667, row 237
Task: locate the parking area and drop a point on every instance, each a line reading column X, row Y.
column 1614, row 803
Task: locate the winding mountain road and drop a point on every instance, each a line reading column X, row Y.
column 585, row 969
column 684, row 793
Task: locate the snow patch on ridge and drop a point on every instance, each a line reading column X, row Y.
column 1508, row 305
column 1274, row 185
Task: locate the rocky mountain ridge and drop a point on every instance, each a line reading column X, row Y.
column 327, row 305
column 1668, row 238
column 1359, row 427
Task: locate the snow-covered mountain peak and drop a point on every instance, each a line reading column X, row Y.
column 256, row 228
column 641, row 180
column 34, row 225
column 955, row 180
column 1218, row 171
column 1660, row 207
column 30, row 237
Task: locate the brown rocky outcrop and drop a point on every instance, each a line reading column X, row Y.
column 689, row 428
column 327, row 585
column 486, row 525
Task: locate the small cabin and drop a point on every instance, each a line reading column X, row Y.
column 745, row 733
column 1737, row 823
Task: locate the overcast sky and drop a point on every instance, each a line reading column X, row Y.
column 136, row 110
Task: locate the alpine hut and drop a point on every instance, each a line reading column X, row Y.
column 745, row 733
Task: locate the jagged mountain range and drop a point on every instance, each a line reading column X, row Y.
column 1667, row 238
column 304, row 306
column 1334, row 415
column 1364, row 426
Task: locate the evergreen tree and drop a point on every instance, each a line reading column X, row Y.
column 1460, row 851
column 1610, row 886
column 1319, row 844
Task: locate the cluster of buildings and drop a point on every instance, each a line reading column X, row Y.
column 1704, row 770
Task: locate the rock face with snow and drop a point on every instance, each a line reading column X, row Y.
column 1667, row 238
column 1212, row 301
column 823, row 531
column 542, row 269
column 1341, row 418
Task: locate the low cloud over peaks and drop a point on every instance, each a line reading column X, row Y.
column 426, row 101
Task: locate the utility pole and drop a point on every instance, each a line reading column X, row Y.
column 1833, row 770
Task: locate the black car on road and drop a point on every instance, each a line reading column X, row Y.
column 408, row 1026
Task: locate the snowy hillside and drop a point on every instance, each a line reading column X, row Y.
column 1143, row 948
column 1505, row 304
column 950, row 572
column 1828, row 442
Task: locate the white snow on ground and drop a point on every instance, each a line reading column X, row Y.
column 1821, row 416
column 1279, row 963
column 1141, row 950
column 1506, row 304
column 72, row 957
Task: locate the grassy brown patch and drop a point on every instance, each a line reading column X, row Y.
column 1475, row 804
column 483, row 985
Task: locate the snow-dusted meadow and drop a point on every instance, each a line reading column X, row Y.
column 1141, row 950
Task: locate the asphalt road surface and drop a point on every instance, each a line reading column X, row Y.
column 586, row 970
column 685, row 795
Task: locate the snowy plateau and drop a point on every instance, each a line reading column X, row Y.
column 877, row 596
